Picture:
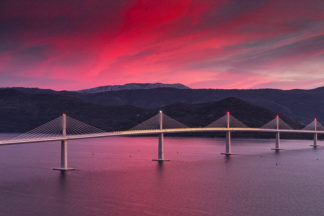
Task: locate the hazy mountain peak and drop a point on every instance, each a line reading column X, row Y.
column 133, row 86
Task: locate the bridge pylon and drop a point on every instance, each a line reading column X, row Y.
column 160, row 158
column 64, row 162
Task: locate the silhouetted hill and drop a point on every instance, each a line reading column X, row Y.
column 133, row 86
column 300, row 105
column 22, row 112
column 200, row 115
column 32, row 90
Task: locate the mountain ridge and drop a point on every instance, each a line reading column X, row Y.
column 22, row 112
column 298, row 104
column 132, row 86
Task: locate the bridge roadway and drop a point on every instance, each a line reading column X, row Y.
column 152, row 132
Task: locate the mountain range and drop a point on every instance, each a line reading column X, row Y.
column 24, row 108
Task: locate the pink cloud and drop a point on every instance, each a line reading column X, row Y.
column 204, row 44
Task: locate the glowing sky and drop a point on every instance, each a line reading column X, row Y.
column 75, row 44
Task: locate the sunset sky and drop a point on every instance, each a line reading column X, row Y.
column 76, row 44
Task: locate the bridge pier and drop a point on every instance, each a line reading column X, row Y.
column 160, row 158
column 315, row 143
column 228, row 146
column 161, row 149
column 64, row 162
column 277, row 146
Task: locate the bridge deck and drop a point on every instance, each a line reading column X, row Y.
column 151, row 132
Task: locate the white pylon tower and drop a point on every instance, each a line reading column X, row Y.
column 161, row 140
column 277, row 147
column 64, row 162
column 228, row 145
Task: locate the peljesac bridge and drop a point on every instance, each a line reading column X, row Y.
column 65, row 128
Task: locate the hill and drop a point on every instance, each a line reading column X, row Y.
column 133, row 86
column 200, row 115
column 22, row 112
column 300, row 105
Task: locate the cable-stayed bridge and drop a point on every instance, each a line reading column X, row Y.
column 66, row 128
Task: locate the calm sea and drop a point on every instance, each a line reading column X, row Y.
column 116, row 176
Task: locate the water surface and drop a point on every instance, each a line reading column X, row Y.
column 116, row 176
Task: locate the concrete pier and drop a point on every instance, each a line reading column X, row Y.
column 228, row 145
column 315, row 145
column 277, row 146
column 315, row 140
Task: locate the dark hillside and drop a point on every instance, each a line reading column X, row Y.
column 22, row 112
column 298, row 104
column 200, row 115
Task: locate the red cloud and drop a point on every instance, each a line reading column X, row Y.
column 223, row 43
